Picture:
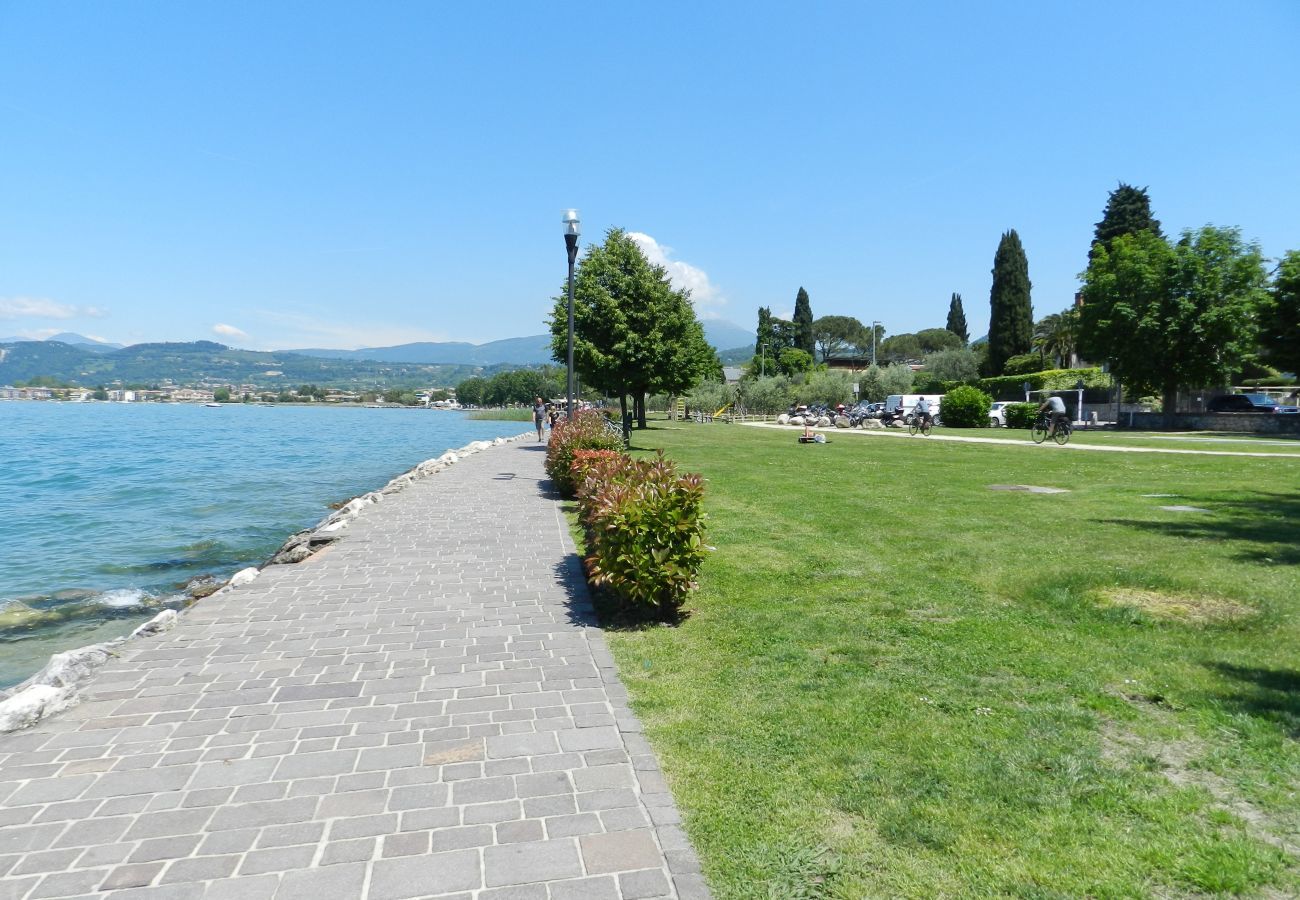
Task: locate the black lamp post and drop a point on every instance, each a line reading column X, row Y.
column 571, row 232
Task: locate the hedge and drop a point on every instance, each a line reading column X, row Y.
column 1012, row 386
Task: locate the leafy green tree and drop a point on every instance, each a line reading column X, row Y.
column 1023, row 364
column 794, row 361
column 1128, row 211
column 836, row 335
column 471, row 391
column 633, row 332
column 952, row 365
column 900, row 348
column 99, row 393
column 957, row 319
column 1011, row 314
column 910, row 347
column 1172, row 315
column 1279, row 316
column 770, row 394
column 221, row 395
column 897, row 379
column 803, row 324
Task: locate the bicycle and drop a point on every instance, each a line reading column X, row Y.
column 1043, row 424
column 922, row 424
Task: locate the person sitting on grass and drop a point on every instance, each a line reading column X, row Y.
column 1054, row 406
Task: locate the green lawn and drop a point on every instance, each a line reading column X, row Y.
column 894, row 681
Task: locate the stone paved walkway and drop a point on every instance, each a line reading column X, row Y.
column 424, row 709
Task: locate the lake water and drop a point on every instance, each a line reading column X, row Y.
column 108, row 509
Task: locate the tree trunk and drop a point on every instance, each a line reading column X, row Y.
column 640, row 409
column 1169, row 405
column 625, row 419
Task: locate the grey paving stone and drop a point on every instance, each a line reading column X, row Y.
column 258, row 862
column 643, row 884
column 603, row 888
column 530, row 862
column 436, row 873
column 205, row 868
column 258, row 887
column 131, row 876
column 620, row 851
column 359, row 850
column 67, row 884
column 336, row 882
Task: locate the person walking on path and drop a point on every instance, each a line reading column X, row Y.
column 539, row 416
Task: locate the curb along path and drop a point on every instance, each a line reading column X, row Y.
column 424, row 709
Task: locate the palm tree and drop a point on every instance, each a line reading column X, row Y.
column 1057, row 336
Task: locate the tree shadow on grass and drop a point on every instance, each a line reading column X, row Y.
column 1265, row 525
column 1271, row 694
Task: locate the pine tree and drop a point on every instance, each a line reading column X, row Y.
column 1011, row 314
column 1128, row 211
column 803, row 324
column 957, row 319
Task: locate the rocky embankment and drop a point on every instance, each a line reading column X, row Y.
column 56, row 686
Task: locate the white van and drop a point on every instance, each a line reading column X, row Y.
column 903, row 404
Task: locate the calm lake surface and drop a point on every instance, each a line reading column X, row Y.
column 108, row 509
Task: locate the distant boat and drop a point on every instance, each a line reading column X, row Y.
column 213, row 405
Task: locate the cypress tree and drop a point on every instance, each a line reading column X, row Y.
column 803, row 324
column 957, row 319
column 1011, row 314
column 764, row 330
column 1128, row 211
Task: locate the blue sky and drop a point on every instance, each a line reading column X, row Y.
column 298, row 174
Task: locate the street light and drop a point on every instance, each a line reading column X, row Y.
column 571, row 232
column 874, row 326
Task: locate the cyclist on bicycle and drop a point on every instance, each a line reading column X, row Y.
column 921, row 412
column 1054, row 407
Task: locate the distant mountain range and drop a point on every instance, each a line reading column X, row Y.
column 521, row 351
column 75, row 340
column 75, row 359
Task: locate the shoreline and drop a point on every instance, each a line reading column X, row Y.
column 54, row 687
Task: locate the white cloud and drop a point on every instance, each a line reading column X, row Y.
column 228, row 331
column 41, row 308
column 704, row 293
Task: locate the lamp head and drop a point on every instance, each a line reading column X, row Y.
column 572, row 225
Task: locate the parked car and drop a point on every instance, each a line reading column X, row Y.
column 998, row 413
column 1257, row 403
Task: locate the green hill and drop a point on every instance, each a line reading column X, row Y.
column 205, row 363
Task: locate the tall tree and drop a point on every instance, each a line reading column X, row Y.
column 1279, row 316
column 957, row 319
column 1128, row 211
column 803, row 324
column 764, row 334
column 1011, row 313
column 1173, row 315
column 834, row 335
column 633, row 332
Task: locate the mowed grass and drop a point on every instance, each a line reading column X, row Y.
column 894, row 681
